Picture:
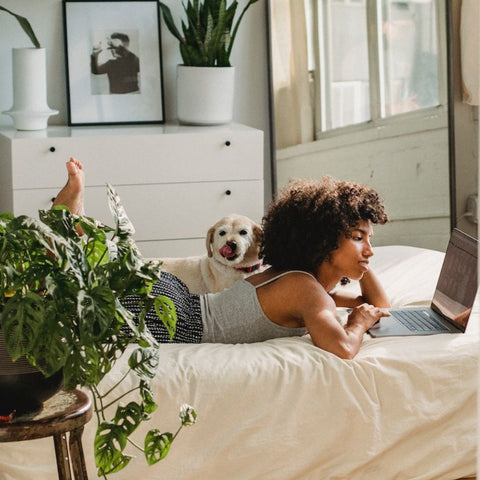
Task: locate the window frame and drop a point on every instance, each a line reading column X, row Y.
column 378, row 119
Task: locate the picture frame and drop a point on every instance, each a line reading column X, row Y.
column 113, row 60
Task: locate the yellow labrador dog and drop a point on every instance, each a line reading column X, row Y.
column 233, row 250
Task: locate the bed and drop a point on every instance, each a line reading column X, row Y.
column 404, row 408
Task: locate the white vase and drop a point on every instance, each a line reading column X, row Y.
column 205, row 95
column 30, row 110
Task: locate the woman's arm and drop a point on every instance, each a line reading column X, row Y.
column 372, row 293
column 299, row 300
column 342, row 340
column 317, row 310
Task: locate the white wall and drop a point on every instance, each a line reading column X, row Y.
column 249, row 58
column 407, row 164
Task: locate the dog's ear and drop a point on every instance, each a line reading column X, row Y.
column 257, row 235
column 209, row 241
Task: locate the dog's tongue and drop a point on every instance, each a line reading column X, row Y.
column 226, row 251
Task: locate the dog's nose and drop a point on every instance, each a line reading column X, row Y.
column 232, row 245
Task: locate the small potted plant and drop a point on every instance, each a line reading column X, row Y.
column 30, row 110
column 205, row 81
column 61, row 311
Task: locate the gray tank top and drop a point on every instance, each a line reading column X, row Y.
column 235, row 316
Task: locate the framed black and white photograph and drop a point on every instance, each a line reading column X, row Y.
column 114, row 62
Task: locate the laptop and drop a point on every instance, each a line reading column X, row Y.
column 452, row 302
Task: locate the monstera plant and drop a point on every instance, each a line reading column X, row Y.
column 61, row 309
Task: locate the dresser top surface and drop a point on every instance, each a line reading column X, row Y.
column 160, row 129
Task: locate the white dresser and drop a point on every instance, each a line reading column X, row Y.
column 174, row 181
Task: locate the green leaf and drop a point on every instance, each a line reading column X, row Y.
column 110, row 441
column 165, row 309
column 234, row 33
column 207, row 39
column 129, row 417
column 144, row 361
column 50, row 346
column 21, row 321
column 25, row 24
column 96, row 311
column 167, row 16
column 124, row 227
column 146, row 393
column 157, row 446
column 97, row 252
column 87, row 365
column 60, row 220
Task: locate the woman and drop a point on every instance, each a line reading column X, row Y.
column 316, row 235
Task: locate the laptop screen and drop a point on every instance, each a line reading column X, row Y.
column 457, row 284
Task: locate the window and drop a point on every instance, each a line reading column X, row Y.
column 373, row 59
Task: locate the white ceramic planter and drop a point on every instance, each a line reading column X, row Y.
column 30, row 110
column 205, row 95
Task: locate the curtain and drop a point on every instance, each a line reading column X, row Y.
column 470, row 52
column 293, row 110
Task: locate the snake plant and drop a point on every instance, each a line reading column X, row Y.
column 209, row 33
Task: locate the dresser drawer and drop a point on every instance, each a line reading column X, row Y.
column 174, row 181
column 151, row 158
column 164, row 211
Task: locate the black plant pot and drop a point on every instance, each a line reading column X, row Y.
column 22, row 387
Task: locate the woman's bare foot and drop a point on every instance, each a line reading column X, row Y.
column 71, row 195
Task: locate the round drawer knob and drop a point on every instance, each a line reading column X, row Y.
column 228, row 143
column 52, row 149
column 228, row 192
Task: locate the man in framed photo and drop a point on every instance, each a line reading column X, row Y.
column 121, row 67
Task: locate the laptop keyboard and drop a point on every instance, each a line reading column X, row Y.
column 416, row 322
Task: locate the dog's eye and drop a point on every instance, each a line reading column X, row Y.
column 243, row 232
column 222, row 233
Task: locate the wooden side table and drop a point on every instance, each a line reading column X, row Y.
column 65, row 413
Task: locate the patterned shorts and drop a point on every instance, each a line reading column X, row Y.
column 189, row 316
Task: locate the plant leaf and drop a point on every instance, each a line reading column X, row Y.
column 110, row 441
column 146, row 393
column 165, row 309
column 27, row 28
column 144, row 361
column 129, row 417
column 167, row 16
column 207, row 39
column 235, row 29
column 96, row 311
column 124, row 227
column 21, row 321
column 50, row 346
column 157, row 446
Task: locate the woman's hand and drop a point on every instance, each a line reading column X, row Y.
column 372, row 290
column 365, row 316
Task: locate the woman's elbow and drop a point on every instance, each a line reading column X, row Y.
column 342, row 350
column 346, row 351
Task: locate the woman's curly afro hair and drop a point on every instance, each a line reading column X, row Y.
column 303, row 225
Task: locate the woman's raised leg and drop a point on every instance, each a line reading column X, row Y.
column 72, row 194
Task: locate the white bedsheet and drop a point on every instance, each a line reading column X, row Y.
column 404, row 408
